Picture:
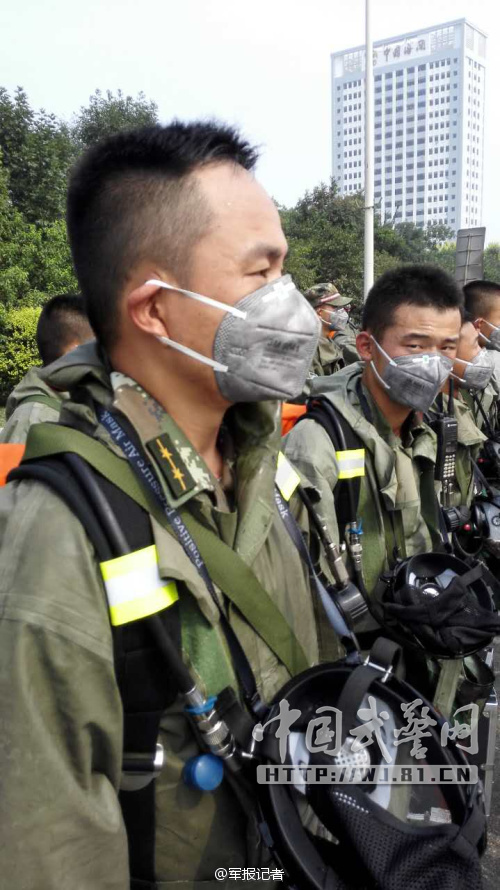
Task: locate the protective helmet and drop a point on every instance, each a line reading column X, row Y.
column 326, row 294
column 339, row 835
column 441, row 604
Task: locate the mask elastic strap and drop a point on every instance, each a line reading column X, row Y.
column 238, row 313
column 377, row 375
column 487, row 339
column 192, row 354
column 460, row 379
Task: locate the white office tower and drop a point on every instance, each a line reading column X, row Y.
column 429, row 124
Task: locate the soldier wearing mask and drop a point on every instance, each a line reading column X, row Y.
column 470, row 379
column 410, row 332
column 337, row 345
column 482, row 307
column 179, row 255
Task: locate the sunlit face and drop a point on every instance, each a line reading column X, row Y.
column 243, row 250
column 325, row 313
column 415, row 330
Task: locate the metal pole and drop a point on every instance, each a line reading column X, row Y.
column 369, row 119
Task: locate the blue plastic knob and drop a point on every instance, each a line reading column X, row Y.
column 204, row 772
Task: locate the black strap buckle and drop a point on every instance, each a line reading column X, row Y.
column 139, row 769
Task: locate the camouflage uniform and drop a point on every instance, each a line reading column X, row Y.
column 398, row 475
column 338, row 350
column 61, row 740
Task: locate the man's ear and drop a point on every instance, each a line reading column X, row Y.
column 477, row 323
column 144, row 307
column 365, row 346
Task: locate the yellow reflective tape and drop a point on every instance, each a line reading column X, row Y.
column 287, row 479
column 131, row 562
column 134, row 587
column 132, row 610
column 351, row 463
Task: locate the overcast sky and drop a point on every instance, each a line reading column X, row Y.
column 264, row 65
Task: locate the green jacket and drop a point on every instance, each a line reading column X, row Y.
column 61, row 739
column 346, row 340
column 398, row 479
column 327, row 359
column 22, row 408
column 488, row 400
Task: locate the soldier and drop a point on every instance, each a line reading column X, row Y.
column 470, row 376
column 337, row 345
column 410, row 331
column 61, row 327
column 179, row 255
column 482, row 307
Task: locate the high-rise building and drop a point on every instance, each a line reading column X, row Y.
column 429, row 124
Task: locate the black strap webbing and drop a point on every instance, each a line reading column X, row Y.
column 347, row 491
column 145, row 689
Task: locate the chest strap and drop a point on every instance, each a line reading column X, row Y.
column 227, row 570
column 43, row 399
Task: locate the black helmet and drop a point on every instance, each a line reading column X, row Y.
column 441, row 604
column 342, row 836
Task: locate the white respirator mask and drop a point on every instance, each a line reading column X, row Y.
column 263, row 347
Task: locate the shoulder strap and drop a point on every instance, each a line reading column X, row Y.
column 349, row 453
column 145, row 689
column 226, row 568
column 42, row 399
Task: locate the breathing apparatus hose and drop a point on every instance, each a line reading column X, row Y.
column 352, row 527
column 202, row 713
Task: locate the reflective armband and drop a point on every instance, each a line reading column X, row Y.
column 134, row 587
column 351, row 463
column 287, row 479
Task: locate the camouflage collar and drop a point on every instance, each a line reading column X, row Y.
column 181, row 469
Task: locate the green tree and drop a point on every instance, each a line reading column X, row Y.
column 106, row 114
column 18, row 350
column 492, row 262
column 35, row 261
column 37, row 151
column 325, row 233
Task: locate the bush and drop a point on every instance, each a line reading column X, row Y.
column 18, row 350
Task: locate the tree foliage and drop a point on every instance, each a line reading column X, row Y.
column 324, row 229
column 107, row 114
column 36, row 153
column 18, row 351
column 325, row 233
column 37, row 150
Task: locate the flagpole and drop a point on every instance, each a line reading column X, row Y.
column 369, row 129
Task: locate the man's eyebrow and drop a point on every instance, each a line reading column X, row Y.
column 263, row 250
column 418, row 336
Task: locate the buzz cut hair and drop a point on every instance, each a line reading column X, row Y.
column 62, row 322
column 132, row 199
column 480, row 297
column 415, row 285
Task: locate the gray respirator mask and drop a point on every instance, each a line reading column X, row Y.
column 264, row 346
column 493, row 340
column 337, row 320
column 478, row 372
column 414, row 380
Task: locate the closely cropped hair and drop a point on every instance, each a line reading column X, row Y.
column 480, row 296
column 131, row 199
column 421, row 285
column 62, row 322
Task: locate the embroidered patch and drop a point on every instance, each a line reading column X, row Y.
column 173, row 469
